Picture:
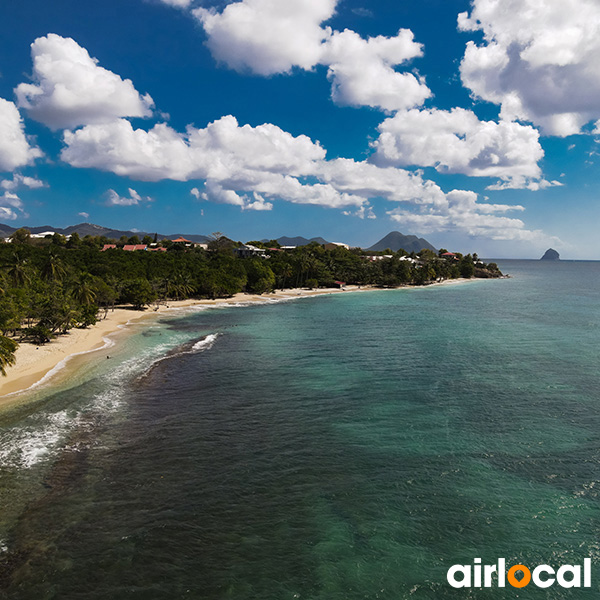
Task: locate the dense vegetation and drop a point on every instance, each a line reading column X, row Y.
column 48, row 286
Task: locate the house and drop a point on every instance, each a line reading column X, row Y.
column 42, row 235
column 108, row 247
column 248, row 250
column 334, row 245
column 376, row 257
column 449, row 255
column 134, row 247
column 187, row 243
column 157, row 249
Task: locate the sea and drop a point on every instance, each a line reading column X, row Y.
column 343, row 447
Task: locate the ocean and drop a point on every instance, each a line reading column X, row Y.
column 343, row 447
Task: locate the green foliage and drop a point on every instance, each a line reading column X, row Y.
column 8, row 348
column 260, row 277
column 138, row 292
column 467, row 269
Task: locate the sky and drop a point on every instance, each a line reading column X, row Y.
column 472, row 123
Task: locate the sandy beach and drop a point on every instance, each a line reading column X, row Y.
column 43, row 363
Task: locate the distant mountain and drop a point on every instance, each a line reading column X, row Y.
column 84, row 229
column 551, row 254
column 396, row 241
column 298, row 241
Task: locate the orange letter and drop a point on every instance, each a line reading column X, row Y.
column 514, row 581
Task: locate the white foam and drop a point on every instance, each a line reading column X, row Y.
column 27, row 446
column 207, row 343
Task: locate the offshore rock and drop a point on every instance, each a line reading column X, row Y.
column 551, row 254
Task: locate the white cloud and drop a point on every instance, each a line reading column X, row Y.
column 15, row 150
column 19, row 181
column 539, row 60
column 268, row 37
column 362, row 71
column 215, row 193
column 71, row 89
column 463, row 213
column 457, row 141
column 7, row 214
column 177, row 3
column 84, row 215
column 361, row 213
column 113, row 199
column 221, row 150
column 11, row 207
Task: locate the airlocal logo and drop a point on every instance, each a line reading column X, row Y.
column 543, row 576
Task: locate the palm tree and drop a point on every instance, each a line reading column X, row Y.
column 286, row 271
column 17, row 270
column 53, row 269
column 7, row 353
column 83, row 290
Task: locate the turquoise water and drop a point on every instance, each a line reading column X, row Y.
column 342, row 447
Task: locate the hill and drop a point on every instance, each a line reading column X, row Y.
column 84, row 229
column 298, row 241
column 396, row 241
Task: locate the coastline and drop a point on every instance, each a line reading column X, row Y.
column 37, row 365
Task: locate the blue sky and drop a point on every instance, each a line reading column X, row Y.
column 472, row 123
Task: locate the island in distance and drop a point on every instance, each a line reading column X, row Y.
column 551, row 254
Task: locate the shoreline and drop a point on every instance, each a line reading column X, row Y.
column 39, row 365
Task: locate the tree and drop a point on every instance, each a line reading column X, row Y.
column 52, row 269
column 260, row 276
column 466, row 267
column 8, row 348
column 74, row 241
column 21, row 236
column 17, row 270
column 138, row 292
column 83, row 289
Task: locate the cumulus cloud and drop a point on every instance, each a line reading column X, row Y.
column 219, row 151
column 215, row 193
column 538, row 60
column 11, row 207
column 268, row 37
column 362, row 71
column 463, row 213
column 15, row 150
column 457, row 141
column 71, row 89
column 113, row 199
column 84, row 215
column 21, row 181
